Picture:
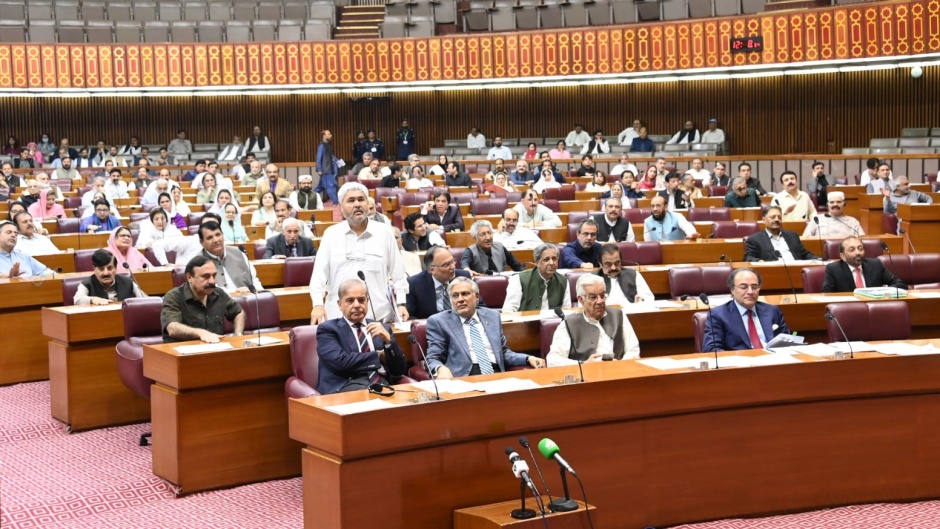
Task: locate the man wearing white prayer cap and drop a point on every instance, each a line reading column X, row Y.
column 835, row 224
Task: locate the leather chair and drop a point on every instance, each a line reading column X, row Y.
column 718, row 191
column 813, row 277
column 419, row 370
column 565, row 192
column 575, row 217
column 889, row 223
column 68, row 225
column 732, row 229
column 636, row 215
column 463, row 197
column 414, row 199
column 572, row 232
column 178, row 275
column 297, row 271
column 266, row 308
column 72, row 202
column 572, row 281
column 83, row 260
column 304, row 361
column 493, row 290
column 861, row 321
column 382, row 194
column 489, row 206
column 137, row 217
column 546, row 332
column 141, row 327
column 69, row 287
column 193, row 219
column 458, row 255
column 709, row 214
column 513, row 196
column 918, row 271
column 872, row 248
column 643, row 252
column 552, row 204
column 370, row 184
column 258, row 250
column 694, row 280
column 699, row 321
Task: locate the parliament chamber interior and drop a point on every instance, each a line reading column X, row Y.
column 207, row 205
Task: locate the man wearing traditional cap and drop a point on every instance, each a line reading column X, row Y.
column 834, row 224
column 304, row 198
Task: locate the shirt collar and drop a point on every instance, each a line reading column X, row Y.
column 742, row 310
column 772, row 236
column 591, row 320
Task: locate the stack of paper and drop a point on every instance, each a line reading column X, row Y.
column 905, row 349
column 359, row 407
column 202, row 348
column 447, row 385
column 506, row 384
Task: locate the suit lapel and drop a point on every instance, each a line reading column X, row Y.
column 737, row 323
column 491, row 334
column 766, row 322
column 456, row 325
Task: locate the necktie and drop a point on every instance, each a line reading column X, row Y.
column 859, row 282
column 752, row 331
column 491, row 265
column 445, row 299
column 361, row 338
column 479, row 351
column 292, row 250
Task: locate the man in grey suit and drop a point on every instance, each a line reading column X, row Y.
column 289, row 243
column 468, row 340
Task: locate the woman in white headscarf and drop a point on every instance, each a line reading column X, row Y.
column 156, row 228
column 223, row 198
column 158, row 186
column 179, row 204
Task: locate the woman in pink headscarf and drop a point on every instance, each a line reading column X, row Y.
column 34, row 152
column 121, row 244
column 46, row 208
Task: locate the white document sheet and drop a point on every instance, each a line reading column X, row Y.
column 505, row 385
column 857, row 347
column 359, row 407
column 905, row 349
column 202, row 348
column 819, row 350
column 452, row 386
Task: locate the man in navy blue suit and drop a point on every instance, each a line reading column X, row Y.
column 439, row 272
column 743, row 323
column 355, row 352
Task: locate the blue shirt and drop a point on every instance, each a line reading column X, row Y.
column 109, row 224
column 29, row 267
column 573, row 255
column 642, row 145
column 760, row 330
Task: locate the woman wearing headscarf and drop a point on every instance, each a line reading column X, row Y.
column 232, row 228
column 173, row 217
column 46, row 207
column 156, row 228
column 121, row 245
column 101, row 219
column 178, row 203
column 223, row 198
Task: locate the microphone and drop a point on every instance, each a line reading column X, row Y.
column 362, row 276
column 840, row 221
column 708, row 320
column 831, row 317
column 525, row 444
column 550, row 450
column 884, row 247
column 787, row 270
column 58, row 270
column 561, row 314
column 822, row 250
column 520, row 468
column 412, row 339
column 902, row 231
column 128, row 268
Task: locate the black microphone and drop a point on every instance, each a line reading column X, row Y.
column 708, row 320
column 362, row 276
column 884, row 247
column 840, row 221
column 412, row 339
column 525, row 444
column 133, row 278
column 253, row 290
column 520, row 469
column 231, row 224
column 561, row 314
column 902, row 231
column 831, row 317
column 58, row 270
column 822, row 250
column 787, row 270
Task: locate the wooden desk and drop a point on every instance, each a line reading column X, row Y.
column 64, row 260
column 496, row 516
column 922, row 223
column 218, row 419
column 86, row 391
column 80, row 241
column 871, row 212
column 25, row 357
column 698, row 445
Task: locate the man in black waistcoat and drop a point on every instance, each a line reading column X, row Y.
column 105, row 285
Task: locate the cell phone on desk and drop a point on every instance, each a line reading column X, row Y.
column 607, row 357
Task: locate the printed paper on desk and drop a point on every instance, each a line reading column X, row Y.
column 785, row 340
column 263, row 340
column 505, row 385
column 202, row 348
column 819, row 350
column 834, row 299
column 359, row 407
column 905, row 349
column 857, row 347
column 447, row 385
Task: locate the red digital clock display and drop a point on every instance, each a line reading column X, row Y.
column 747, row 44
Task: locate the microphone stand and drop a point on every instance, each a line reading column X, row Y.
column 831, row 317
column 787, row 270
column 708, row 319
column 909, row 242
column 884, row 247
column 565, row 504
column 362, row 276
column 822, row 250
column 437, row 394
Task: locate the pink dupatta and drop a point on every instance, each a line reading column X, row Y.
column 133, row 257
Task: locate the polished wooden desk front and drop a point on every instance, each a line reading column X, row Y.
column 25, row 357
column 653, row 448
column 218, row 419
column 922, row 223
column 86, row 391
column 496, row 516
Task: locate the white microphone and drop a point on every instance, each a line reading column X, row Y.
column 520, row 468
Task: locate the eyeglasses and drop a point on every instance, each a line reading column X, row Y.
column 740, row 189
column 448, row 264
column 745, row 288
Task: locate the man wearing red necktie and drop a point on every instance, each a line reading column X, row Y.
column 744, row 322
column 854, row 270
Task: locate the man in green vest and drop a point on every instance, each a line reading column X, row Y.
column 539, row 288
column 598, row 330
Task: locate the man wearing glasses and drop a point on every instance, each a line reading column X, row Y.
column 743, row 323
column 440, row 271
column 742, row 196
column 596, row 331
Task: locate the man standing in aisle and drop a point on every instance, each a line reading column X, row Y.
column 405, row 140
column 326, row 166
column 358, row 246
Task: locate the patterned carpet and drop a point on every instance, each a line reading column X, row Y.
column 102, row 480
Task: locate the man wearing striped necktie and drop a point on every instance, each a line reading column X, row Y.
column 744, row 322
column 469, row 340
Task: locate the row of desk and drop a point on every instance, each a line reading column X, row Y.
column 208, row 403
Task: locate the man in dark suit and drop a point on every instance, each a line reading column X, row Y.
column 743, row 323
column 675, row 197
column 356, row 352
column 441, row 214
column 468, row 340
column 774, row 240
column 440, row 271
column 855, row 271
column 454, row 178
column 289, row 242
column 611, row 227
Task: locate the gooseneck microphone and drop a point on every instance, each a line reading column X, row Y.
column 884, row 247
column 787, row 270
column 822, row 250
column 550, row 450
column 412, row 339
column 708, row 320
column 253, row 290
column 362, row 276
column 133, row 277
column 840, row 221
column 524, row 441
column 831, row 317
column 903, row 232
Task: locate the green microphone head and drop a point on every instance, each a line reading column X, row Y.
column 548, row 448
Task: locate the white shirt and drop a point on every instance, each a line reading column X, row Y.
column 229, row 284
column 520, row 239
column 412, row 262
column 617, row 297
column 780, row 244
column 866, row 178
column 544, row 184
column 561, row 343
column 271, row 230
column 296, row 206
column 575, row 139
column 367, row 174
column 682, row 222
column 621, row 167
column 221, row 182
column 599, row 148
column 547, row 217
column 414, row 183
column 499, row 152
column 476, row 142
column 185, row 247
column 626, row 136
column 118, row 161
column 701, row 175
column 343, row 253
column 149, row 233
column 118, row 190
column 486, row 342
column 83, row 297
column 89, row 195
column 834, row 227
column 631, row 237
column 514, row 294
column 38, row 245
column 713, row 136
column 233, row 152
